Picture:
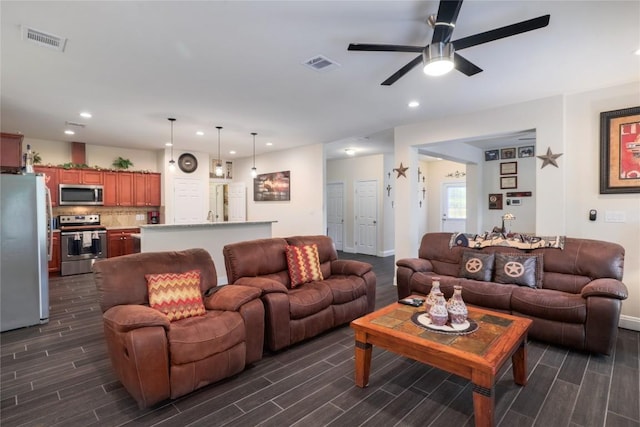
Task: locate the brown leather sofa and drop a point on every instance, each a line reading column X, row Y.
column 156, row 359
column 347, row 292
column 578, row 304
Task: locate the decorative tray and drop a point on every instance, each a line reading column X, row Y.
column 422, row 319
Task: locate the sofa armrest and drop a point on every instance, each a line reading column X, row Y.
column 125, row 318
column 610, row 288
column 350, row 267
column 230, row 298
column 415, row 264
column 264, row 284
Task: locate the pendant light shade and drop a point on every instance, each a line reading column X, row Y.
column 254, row 171
column 218, row 170
column 172, row 163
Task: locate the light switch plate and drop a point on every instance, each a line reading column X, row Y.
column 615, row 216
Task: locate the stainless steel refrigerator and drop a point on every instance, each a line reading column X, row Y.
column 25, row 208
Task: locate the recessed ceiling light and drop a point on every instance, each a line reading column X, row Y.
column 69, row 132
column 232, row 152
column 86, row 115
column 350, row 151
column 269, row 144
column 168, row 144
column 414, row 104
column 199, row 133
column 637, row 52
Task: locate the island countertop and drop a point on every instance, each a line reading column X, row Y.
column 203, row 224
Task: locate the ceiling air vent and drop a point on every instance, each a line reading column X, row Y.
column 80, row 125
column 43, row 39
column 321, row 63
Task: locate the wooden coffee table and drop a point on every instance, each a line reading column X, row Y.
column 477, row 356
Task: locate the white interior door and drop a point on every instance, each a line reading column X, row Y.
column 188, row 201
column 366, row 217
column 335, row 213
column 454, row 207
column 237, row 202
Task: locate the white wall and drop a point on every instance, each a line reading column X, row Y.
column 304, row 213
column 351, row 170
column 568, row 125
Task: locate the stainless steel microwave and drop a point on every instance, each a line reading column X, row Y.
column 76, row 194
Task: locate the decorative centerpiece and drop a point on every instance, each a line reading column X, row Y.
column 438, row 311
column 431, row 298
column 456, row 307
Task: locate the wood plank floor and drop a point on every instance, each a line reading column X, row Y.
column 59, row 375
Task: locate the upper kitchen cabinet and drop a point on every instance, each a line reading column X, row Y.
column 118, row 188
column 51, row 180
column 81, row 176
column 147, row 189
column 11, row 152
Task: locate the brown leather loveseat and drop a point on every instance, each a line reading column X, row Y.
column 294, row 313
column 155, row 358
column 576, row 301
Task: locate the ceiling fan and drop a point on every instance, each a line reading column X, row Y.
column 440, row 55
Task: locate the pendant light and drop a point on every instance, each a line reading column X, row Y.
column 172, row 163
column 254, row 171
column 218, row 160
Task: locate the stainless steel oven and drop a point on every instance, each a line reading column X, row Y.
column 82, row 241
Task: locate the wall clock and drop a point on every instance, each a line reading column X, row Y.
column 187, row 162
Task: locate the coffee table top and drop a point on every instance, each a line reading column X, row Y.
column 493, row 341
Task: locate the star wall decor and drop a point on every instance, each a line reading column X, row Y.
column 401, row 170
column 549, row 158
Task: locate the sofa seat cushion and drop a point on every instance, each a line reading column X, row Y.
column 345, row 288
column 197, row 338
column 485, row 294
column 308, row 299
column 549, row 304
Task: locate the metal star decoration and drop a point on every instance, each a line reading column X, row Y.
column 401, row 170
column 549, row 158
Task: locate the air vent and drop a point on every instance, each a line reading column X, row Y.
column 80, row 125
column 321, row 63
column 43, row 39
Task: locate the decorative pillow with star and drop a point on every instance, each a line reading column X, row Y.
column 477, row 265
column 519, row 269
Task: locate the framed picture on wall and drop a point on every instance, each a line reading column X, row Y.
column 491, row 155
column 508, row 182
column 495, row 201
column 272, row 187
column 508, row 168
column 508, row 153
column 620, row 151
column 528, row 151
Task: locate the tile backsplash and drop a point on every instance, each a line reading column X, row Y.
column 111, row 217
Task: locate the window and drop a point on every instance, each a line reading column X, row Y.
column 456, row 202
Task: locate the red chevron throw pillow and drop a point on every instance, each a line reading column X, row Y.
column 304, row 264
column 177, row 295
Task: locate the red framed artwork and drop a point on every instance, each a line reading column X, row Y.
column 620, row 151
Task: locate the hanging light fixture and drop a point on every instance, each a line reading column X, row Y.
column 218, row 160
column 172, row 163
column 438, row 59
column 254, row 171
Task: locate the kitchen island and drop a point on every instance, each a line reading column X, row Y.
column 211, row 236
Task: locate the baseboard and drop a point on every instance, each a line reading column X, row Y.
column 628, row 322
column 386, row 253
column 349, row 250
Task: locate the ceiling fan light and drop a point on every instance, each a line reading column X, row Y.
column 438, row 59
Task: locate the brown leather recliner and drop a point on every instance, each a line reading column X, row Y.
column 156, row 359
column 293, row 314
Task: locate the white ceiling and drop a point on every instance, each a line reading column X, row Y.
column 238, row 64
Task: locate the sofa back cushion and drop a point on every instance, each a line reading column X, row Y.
column 581, row 261
column 445, row 260
column 121, row 280
column 260, row 257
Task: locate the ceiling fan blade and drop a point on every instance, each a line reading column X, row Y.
column 384, row 48
column 502, row 32
column 445, row 20
column 402, row 71
column 465, row 66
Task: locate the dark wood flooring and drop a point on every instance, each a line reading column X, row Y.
column 59, row 374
